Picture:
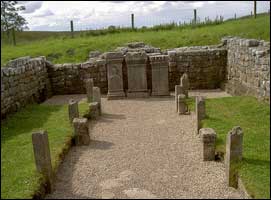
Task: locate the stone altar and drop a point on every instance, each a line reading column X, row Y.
column 114, row 75
column 159, row 64
column 137, row 76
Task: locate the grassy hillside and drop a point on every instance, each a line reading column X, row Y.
column 64, row 49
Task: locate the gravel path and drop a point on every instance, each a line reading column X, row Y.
column 141, row 148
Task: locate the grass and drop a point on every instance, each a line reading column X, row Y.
column 254, row 118
column 19, row 178
column 58, row 49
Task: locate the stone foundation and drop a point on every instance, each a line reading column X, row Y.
column 241, row 65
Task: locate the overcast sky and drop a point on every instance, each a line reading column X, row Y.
column 56, row 15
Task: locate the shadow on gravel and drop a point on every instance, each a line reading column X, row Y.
column 113, row 116
column 102, row 145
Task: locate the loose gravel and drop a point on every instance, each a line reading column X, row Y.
column 141, row 148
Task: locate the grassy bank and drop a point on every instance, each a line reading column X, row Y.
column 65, row 49
column 19, row 178
column 254, row 118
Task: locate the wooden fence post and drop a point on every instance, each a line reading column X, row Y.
column 72, row 28
column 255, row 9
column 42, row 157
column 13, row 37
column 132, row 21
column 195, row 16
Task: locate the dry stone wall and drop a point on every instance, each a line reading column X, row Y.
column 70, row 78
column 23, row 81
column 205, row 66
column 248, row 67
column 241, row 65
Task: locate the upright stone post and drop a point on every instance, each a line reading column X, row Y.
column 89, row 89
column 178, row 89
column 73, row 109
column 114, row 75
column 97, row 97
column 208, row 136
column 200, row 111
column 94, row 110
column 137, row 74
column 81, row 133
column 184, row 82
column 42, row 157
column 159, row 65
column 200, row 107
column 233, row 155
column 182, row 106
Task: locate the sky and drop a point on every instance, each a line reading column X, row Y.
column 86, row 15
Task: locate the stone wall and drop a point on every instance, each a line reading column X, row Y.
column 23, row 81
column 248, row 67
column 243, row 64
column 69, row 78
column 205, row 66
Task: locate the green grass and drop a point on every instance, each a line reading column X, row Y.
column 19, row 178
column 58, row 49
column 254, row 118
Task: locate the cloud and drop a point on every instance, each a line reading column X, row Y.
column 44, row 13
column 31, row 6
column 56, row 15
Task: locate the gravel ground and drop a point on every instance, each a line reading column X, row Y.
column 141, row 148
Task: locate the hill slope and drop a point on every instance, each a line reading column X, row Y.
column 64, row 49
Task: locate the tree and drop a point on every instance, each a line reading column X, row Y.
column 10, row 18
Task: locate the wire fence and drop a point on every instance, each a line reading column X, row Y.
column 178, row 16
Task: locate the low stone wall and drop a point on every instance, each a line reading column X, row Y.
column 70, row 78
column 205, row 66
column 244, row 64
column 23, row 81
column 248, row 67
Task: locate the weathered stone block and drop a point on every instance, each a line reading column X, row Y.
column 89, row 89
column 182, row 106
column 137, row 73
column 94, row 110
column 97, row 97
column 73, row 109
column 42, row 157
column 159, row 65
column 114, row 75
column 208, row 136
column 81, row 131
column 184, row 82
column 234, row 145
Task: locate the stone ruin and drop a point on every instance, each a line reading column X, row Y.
column 240, row 66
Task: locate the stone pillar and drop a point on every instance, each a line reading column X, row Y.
column 114, row 75
column 73, row 109
column 177, row 92
column 200, row 111
column 184, row 82
column 94, row 110
column 89, row 89
column 200, row 107
column 159, row 65
column 42, row 157
column 233, row 155
column 97, row 98
column 182, row 106
column 137, row 74
column 208, row 136
column 81, row 133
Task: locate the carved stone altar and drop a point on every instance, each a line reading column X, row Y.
column 159, row 64
column 137, row 76
column 114, row 75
